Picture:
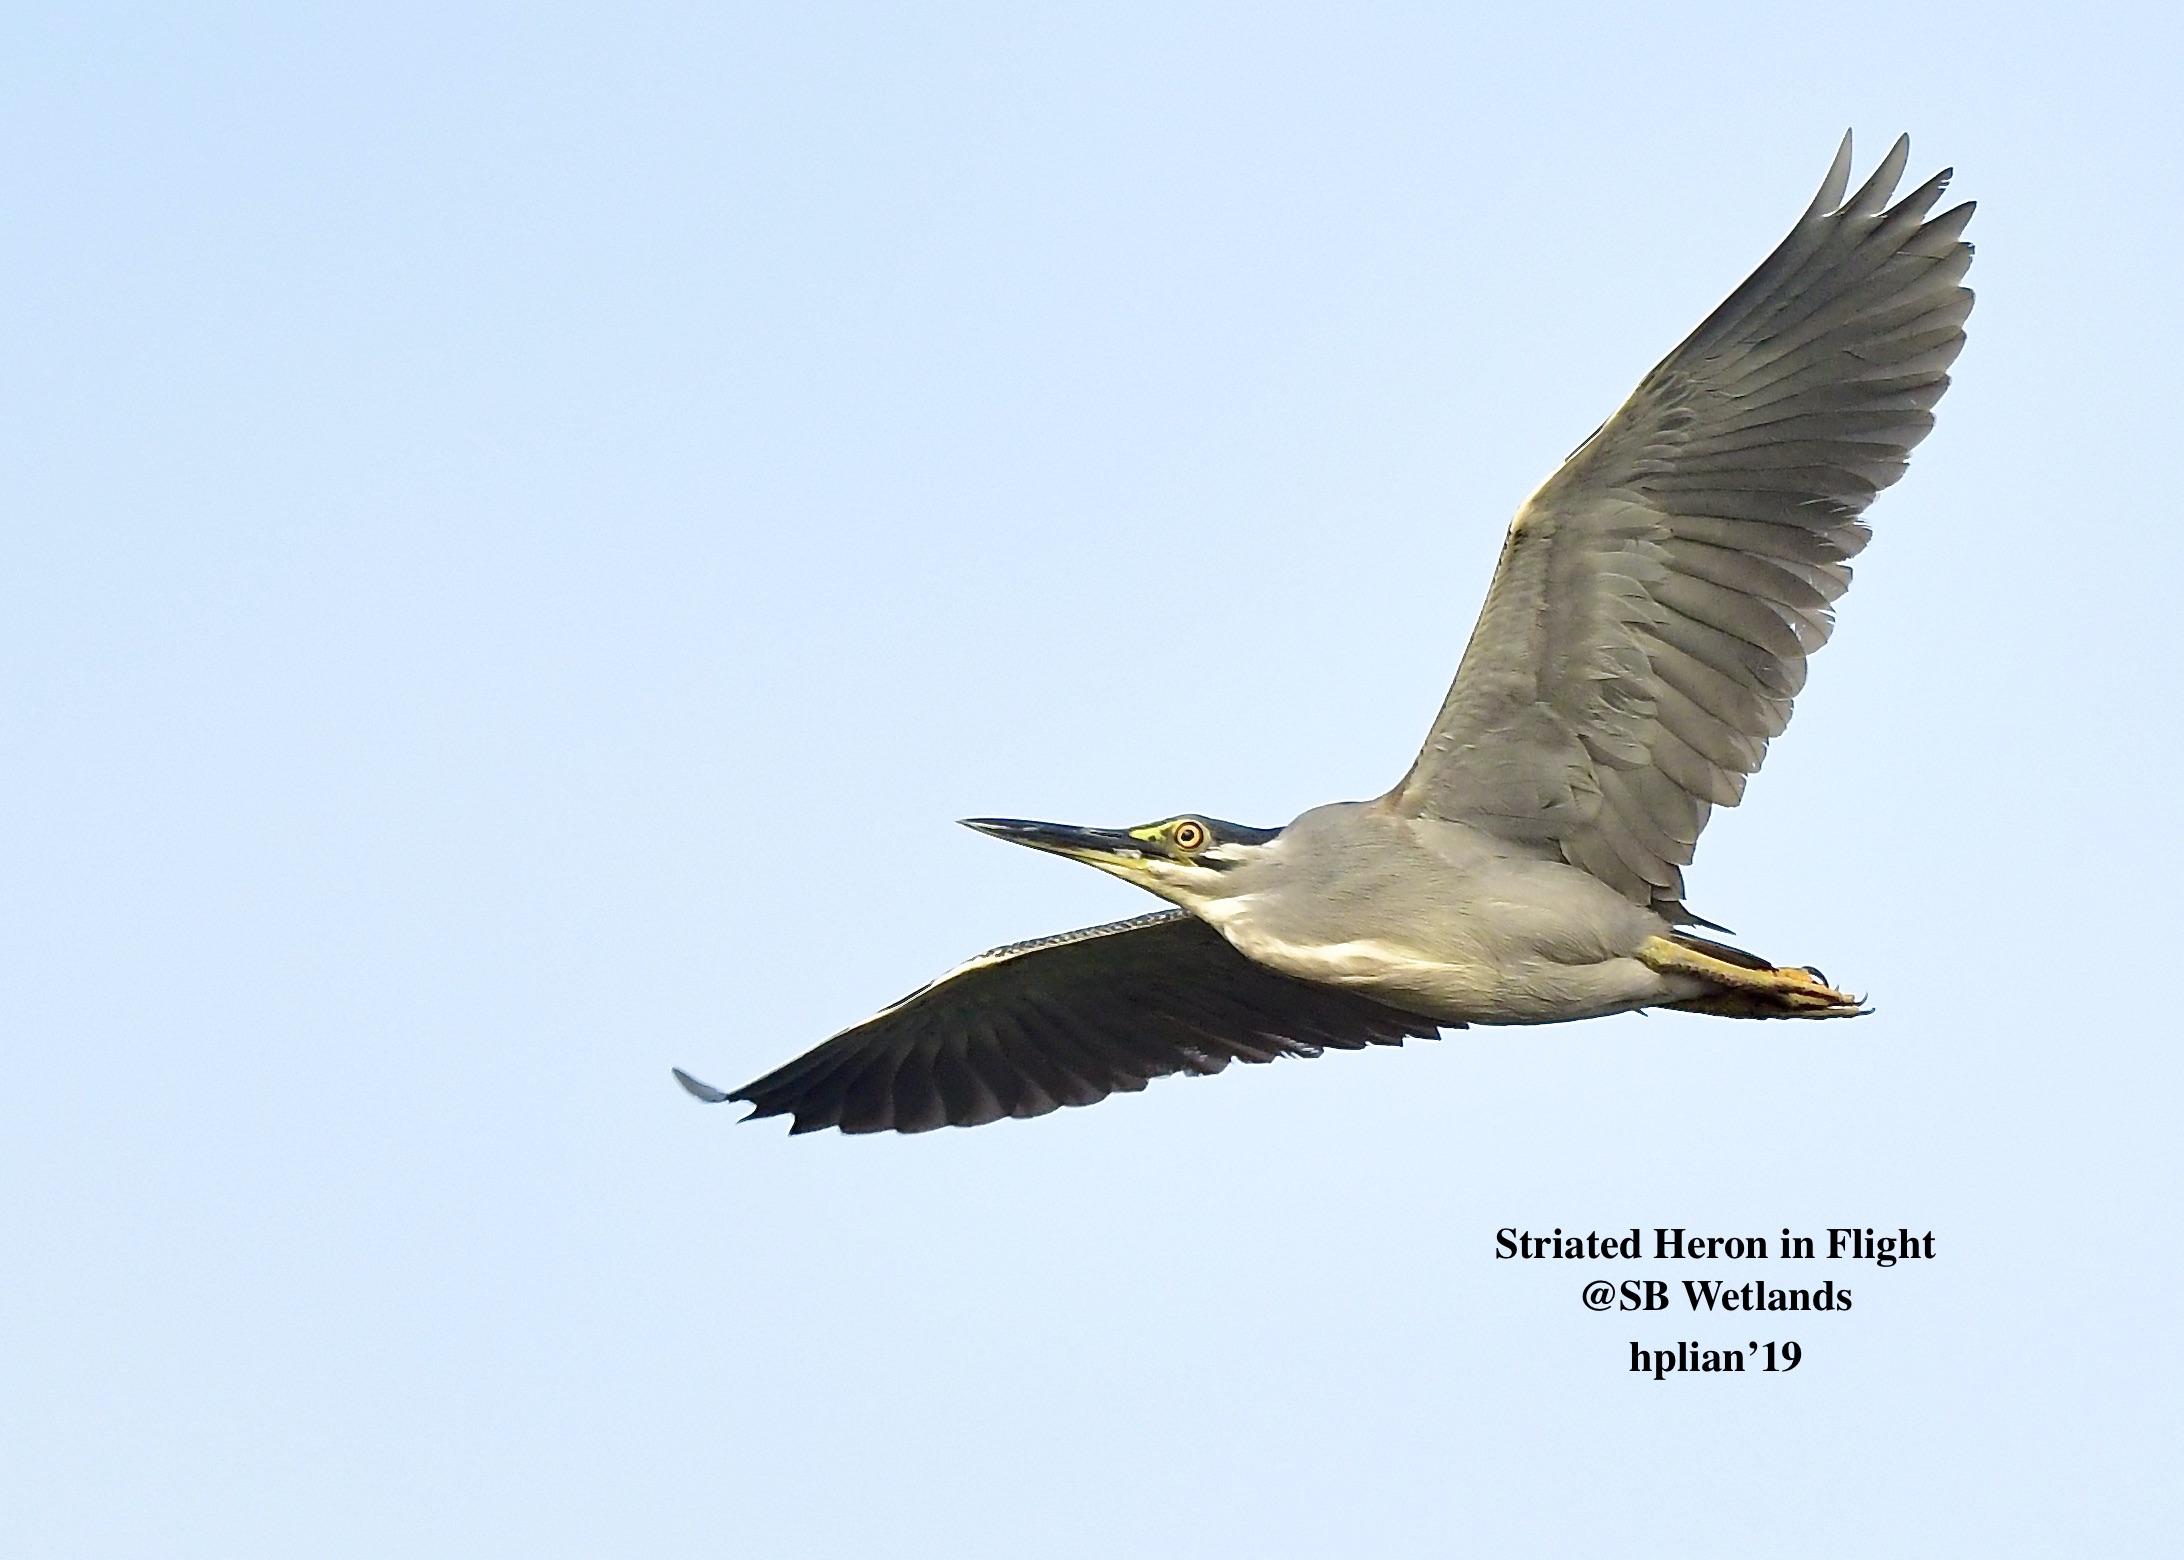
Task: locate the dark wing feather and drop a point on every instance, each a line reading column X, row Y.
column 1656, row 599
column 1066, row 1020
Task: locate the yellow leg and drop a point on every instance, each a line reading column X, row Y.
column 1743, row 992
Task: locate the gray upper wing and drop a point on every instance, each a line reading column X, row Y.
column 1656, row 599
column 1066, row 1020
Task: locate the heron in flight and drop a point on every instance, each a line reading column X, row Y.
column 1645, row 633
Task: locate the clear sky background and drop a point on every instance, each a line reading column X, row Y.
column 522, row 526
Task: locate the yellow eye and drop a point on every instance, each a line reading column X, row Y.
column 1190, row 836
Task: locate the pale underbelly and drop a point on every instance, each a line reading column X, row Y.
column 1510, row 988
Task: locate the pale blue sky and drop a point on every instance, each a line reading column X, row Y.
column 522, row 526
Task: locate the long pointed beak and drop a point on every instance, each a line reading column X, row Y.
column 1101, row 847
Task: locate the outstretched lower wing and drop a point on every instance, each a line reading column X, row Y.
column 1065, row 1020
column 1656, row 599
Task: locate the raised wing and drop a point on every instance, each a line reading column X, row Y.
column 1656, row 599
column 1066, row 1020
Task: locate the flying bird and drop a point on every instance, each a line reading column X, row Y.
column 1645, row 633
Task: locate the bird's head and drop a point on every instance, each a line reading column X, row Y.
column 1191, row 860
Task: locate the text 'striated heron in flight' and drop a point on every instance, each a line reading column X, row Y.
column 1645, row 633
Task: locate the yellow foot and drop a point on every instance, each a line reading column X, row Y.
column 1756, row 990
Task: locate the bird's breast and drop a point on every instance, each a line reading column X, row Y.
column 1442, row 983
column 1488, row 966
